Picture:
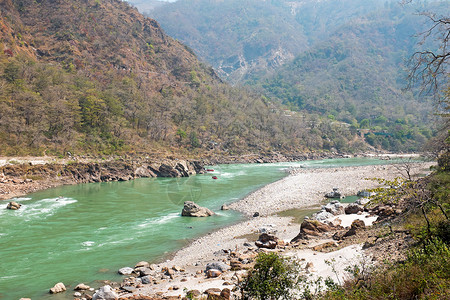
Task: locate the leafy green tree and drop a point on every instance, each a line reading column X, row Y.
column 272, row 277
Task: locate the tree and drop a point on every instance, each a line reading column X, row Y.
column 430, row 67
column 271, row 278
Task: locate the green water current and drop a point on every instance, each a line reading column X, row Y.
column 86, row 232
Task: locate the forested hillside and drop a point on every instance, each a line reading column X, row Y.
column 239, row 37
column 358, row 76
column 96, row 77
column 349, row 65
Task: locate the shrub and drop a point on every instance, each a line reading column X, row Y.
column 272, row 277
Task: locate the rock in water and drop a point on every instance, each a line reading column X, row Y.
column 105, row 293
column 58, row 288
column 191, row 209
column 126, row 271
column 142, row 264
column 334, row 194
column 13, row 205
column 82, row 287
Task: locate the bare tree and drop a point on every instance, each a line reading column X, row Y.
column 430, row 68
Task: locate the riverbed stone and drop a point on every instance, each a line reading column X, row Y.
column 311, row 228
column 213, row 291
column 334, row 207
column 212, row 273
column 13, row 205
column 142, row 264
column 362, row 201
column 82, row 287
column 192, row 209
column 58, row 288
column 146, row 279
column 267, row 241
column 222, row 267
column 323, row 215
column 126, row 271
column 143, row 271
column 105, row 293
column 353, row 208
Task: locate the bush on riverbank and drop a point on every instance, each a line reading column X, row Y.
column 272, row 277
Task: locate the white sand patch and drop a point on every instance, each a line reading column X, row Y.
column 347, row 220
column 331, row 264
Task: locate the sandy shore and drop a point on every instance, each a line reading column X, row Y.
column 303, row 188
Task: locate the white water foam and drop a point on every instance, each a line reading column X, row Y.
column 231, row 175
column 88, row 243
column 43, row 208
column 160, row 220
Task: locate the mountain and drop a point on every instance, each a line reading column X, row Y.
column 240, row 37
column 97, row 77
column 146, row 6
column 358, row 75
column 344, row 59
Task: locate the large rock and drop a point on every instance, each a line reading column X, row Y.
column 218, row 266
column 13, row 205
column 58, row 288
column 144, row 264
column 213, row 273
column 225, row 294
column 362, row 201
column 144, row 171
column 356, row 224
column 191, row 209
column 143, row 271
column 166, row 170
column 146, row 279
column 311, row 227
column 267, row 241
column 334, row 194
column 322, row 215
column 334, row 207
column 325, row 246
column 105, row 293
column 365, row 194
column 126, row 271
column 353, row 208
column 183, row 168
column 82, row 287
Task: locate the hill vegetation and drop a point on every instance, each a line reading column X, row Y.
column 97, row 77
column 239, row 38
column 358, row 76
column 349, row 60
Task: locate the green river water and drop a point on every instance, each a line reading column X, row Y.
column 86, row 232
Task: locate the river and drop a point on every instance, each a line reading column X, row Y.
column 86, row 232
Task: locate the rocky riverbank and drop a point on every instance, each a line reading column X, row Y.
column 18, row 179
column 343, row 238
column 24, row 175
